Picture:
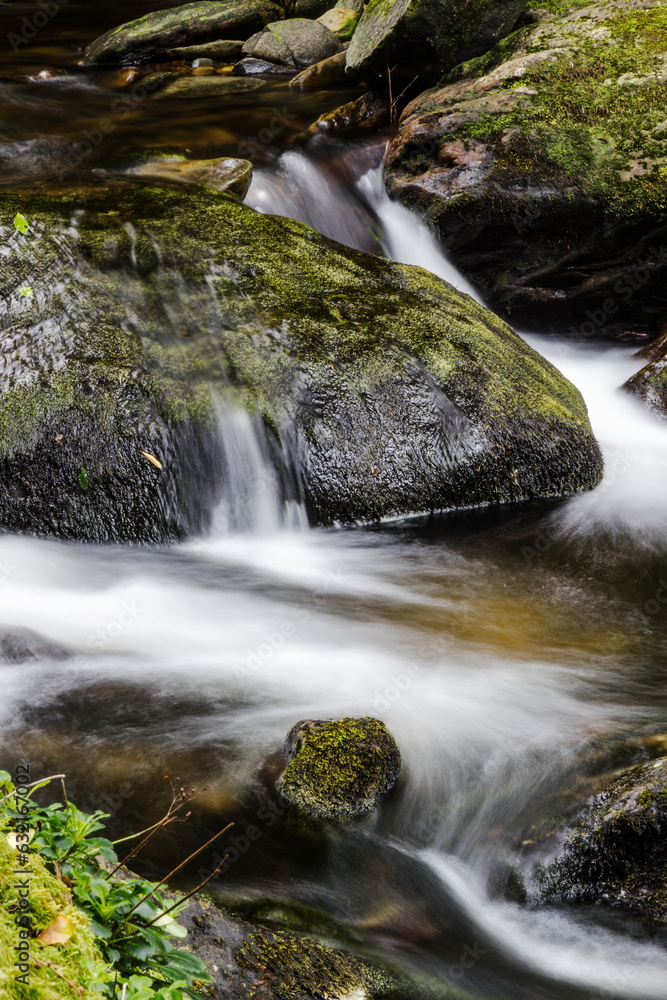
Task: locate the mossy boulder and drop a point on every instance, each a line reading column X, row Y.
column 617, row 853
column 542, row 166
column 151, row 36
column 297, row 42
column 131, row 313
column 426, row 37
column 341, row 20
column 650, row 383
column 338, row 769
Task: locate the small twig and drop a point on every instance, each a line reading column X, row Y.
column 201, row 885
column 39, row 964
column 124, row 993
column 33, row 783
column 394, row 104
column 172, row 873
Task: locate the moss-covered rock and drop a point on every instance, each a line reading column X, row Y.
column 54, row 971
column 341, row 20
column 338, row 769
column 542, row 165
column 371, row 110
column 127, row 311
column 617, row 853
column 426, row 37
column 225, row 174
column 296, row 42
column 650, row 383
column 155, row 33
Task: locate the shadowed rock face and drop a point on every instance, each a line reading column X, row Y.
column 542, row 166
column 426, row 37
column 338, row 769
column 378, row 389
column 617, row 853
column 154, row 34
column 22, row 646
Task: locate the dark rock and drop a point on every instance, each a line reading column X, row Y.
column 23, row 645
column 154, row 34
column 311, row 8
column 426, row 37
column 538, row 165
column 255, row 67
column 617, row 853
column 338, row 769
column 371, row 110
column 326, row 73
column 296, row 42
column 389, row 391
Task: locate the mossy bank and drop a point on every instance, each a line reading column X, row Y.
column 133, row 317
column 542, row 164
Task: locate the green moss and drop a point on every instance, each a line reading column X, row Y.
column 338, row 769
column 293, row 966
column 79, row 961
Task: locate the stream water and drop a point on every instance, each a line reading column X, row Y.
column 517, row 654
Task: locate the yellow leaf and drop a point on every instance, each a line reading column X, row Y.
column 14, row 839
column 152, row 459
column 59, row 932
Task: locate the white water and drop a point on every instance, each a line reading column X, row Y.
column 495, row 674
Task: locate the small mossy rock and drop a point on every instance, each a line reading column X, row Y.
column 371, row 110
column 617, row 853
column 341, row 20
column 387, row 390
column 221, row 51
column 426, row 37
column 22, row 645
column 298, row 42
column 338, row 769
column 328, row 72
column 542, row 166
column 152, row 35
column 226, row 174
column 650, row 383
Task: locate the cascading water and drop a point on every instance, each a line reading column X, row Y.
column 504, row 659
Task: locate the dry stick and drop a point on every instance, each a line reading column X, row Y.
column 177, row 869
column 54, row 968
column 135, row 850
column 394, row 105
column 33, row 783
column 201, row 885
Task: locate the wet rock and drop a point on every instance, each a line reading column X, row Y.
column 338, row 769
column 255, row 67
column 326, row 73
column 650, row 386
column 196, row 87
column 226, row 173
column 541, row 167
column 311, row 8
column 378, row 389
column 296, row 42
column 245, row 959
column 223, row 50
column 617, row 853
column 368, row 111
column 154, row 34
column 22, row 645
column 426, row 37
column 341, row 20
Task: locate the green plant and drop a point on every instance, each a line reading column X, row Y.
column 132, row 922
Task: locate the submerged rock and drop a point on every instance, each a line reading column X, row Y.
column 194, row 88
column 426, row 37
column 338, row 769
column 233, row 176
column 617, row 853
column 156, row 33
column 22, row 645
column 377, row 388
column 542, row 167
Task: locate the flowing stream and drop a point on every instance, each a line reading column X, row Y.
column 517, row 654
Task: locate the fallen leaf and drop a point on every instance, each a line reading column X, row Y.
column 59, row 932
column 152, row 459
column 13, row 839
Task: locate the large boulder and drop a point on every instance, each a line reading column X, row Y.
column 338, row 769
column 153, row 35
column 376, row 388
column 617, row 854
column 426, row 37
column 542, row 166
column 296, row 42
